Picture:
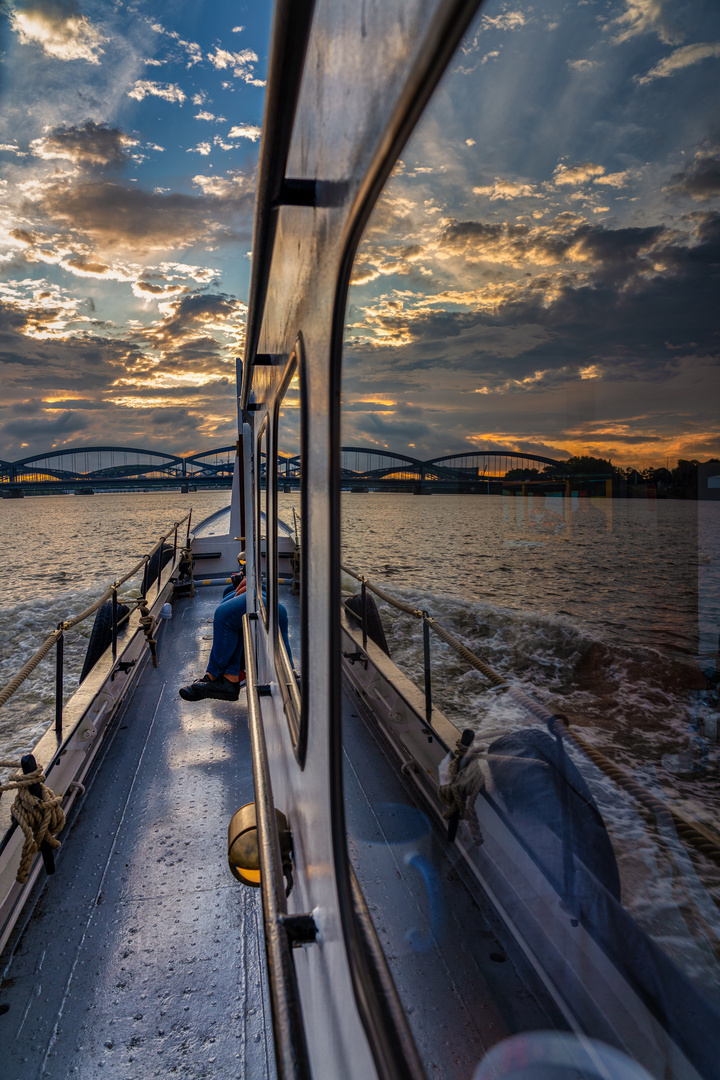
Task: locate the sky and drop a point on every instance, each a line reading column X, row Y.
column 540, row 273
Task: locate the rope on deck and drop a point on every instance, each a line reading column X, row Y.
column 698, row 836
column 39, row 816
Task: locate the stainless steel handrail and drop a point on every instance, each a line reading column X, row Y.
column 291, row 1054
column 395, row 1055
column 290, row 33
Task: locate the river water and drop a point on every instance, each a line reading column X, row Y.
column 607, row 610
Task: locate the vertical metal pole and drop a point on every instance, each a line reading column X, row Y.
column 363, row 608
column 175, row 545
column 187, row 538
column 59, row 664
column 144, row 587
column 426, row 658
column 161, row 552
column 114, row 624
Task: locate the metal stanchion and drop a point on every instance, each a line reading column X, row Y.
column 426, row 659
column 114, row 624
column 59, row 665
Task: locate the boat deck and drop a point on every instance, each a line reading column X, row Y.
column 144, row 957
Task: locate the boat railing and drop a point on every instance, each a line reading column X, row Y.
column 692, row 834
column 56, row 638
column 291, row 1052
column 290, row 34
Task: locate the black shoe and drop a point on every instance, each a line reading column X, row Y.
column 220, row 688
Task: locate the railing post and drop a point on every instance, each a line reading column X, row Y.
column 187, row 538
column 114, row 624
column 363, row 611
column 175, row 545
column 144, row 588
column 59, row 665
column 161, row 552
column 426, row 659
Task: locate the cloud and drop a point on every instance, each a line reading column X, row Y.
column 204, row 115
column 583, row 65
column 241, row 64
column 245, row 131
column 618, row 179
column 577, row 174
column 59, row 28
column 644, row 17
column 700, row 180
column 203, row 148
column 506, row 20
column 230, row 186
column 47, row 429
column 167, row 91
column 117, row 218
column 505, row 189
column 12, row 148
column 192, row 50
column 87, row 144
column 681, row 58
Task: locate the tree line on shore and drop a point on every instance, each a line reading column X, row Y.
column 680, row 482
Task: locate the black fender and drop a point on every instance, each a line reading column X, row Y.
column 101, row 634
column 375, row 629
column 157, row 562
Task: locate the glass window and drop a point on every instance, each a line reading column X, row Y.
column 261, row 496
column 532, row 455
column 289, row 602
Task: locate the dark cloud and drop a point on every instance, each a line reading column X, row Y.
column 45, row 430
column 88, row 144
column 618, row 251
column 700, row 179
column 119, row 216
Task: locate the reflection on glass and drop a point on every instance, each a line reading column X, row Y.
column 531, row 345
column 261, row 497
column 288, row 595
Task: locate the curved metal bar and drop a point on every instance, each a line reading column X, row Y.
column 381, row 453
column 290, row 32
column 494, row 453
column 94, row 450
column 291, row 1055
column 395, row 1055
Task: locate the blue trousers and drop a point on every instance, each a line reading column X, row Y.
column 227, row 656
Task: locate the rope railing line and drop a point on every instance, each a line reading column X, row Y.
column 445, row 635
column 462, row 650
column 9, row 689
column 383, row 595
column 17, row 680
column 701, row 838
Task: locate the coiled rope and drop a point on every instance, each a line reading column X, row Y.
column 40, row 817
column 696, row 835
column 147, row 624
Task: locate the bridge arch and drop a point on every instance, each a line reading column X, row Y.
column 515, row 455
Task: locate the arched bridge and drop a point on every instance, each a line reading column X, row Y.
column 112, row 467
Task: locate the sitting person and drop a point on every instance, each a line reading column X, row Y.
column 225, row 675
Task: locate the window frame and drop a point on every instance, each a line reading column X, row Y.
column 294, row 697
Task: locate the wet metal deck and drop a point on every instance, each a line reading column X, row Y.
column 143, row 957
